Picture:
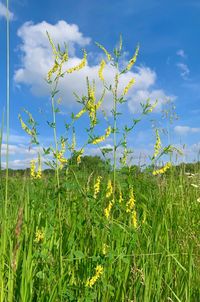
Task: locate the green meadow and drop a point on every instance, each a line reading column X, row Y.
column 98, row 228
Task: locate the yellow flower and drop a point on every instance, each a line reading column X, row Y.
column 55, row 52
column 109, row 189
column 52, row 70
column 131, row 203
column 25, row 127
column 78, row 115
column 133, row 60
column 39, row 236
column 158, row 145
column 102, row 66
column 130, row 84
column 97, row 186
column 134, row 218
column 79, row 156
column 109, row 57
column 32, row 168
column 98, row 272
column 152, row 107
column 103, row 137
column 163, row 169
column 108, row 209
column 79, row 66
column 198, row 199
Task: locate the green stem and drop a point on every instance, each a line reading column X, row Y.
column 115, row 133
column 57, row 176
column 7, row 101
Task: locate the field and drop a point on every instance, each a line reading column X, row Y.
column 53, row 241
column 95, row 228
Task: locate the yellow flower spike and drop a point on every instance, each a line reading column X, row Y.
column 32, row 168
column 130, row 84
column 131, row 202
column 79, row 66
column 109, row 57
column 98, row 272
column 102, row 66
column 163, row 169
column 97, row 186
column 39, row 171
column 109, row 189
column 79, row 156
column 158, row 145
column 55, row 52
column 103, row 137
column 133, row 60
column 78, row 115
column 25, row 127
column 52, row 70
column 108, row 209
column 134, row 219
column 153, row 106
column 39, row 236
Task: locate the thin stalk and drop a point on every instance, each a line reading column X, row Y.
column 115, row 133
column 7, row 101
column 57, row 174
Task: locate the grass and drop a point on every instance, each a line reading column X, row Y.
column 157, row 261
column 57, row 244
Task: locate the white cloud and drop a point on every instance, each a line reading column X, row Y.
column 37, row 60
column 3, row 12
column 181, row 53
column 184, row 130
column 184, row 70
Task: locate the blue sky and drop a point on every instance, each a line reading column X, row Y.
column 167, row 66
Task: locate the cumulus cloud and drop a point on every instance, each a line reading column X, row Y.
column 184, row 130
column 3, row 12
column 37, row 60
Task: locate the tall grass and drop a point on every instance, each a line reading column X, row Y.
column 57, row 242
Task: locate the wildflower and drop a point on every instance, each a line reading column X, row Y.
column 108, row 209
column 32, row 168
column 157, row 146
column 103, row 137
column 129, row 85
column 78, row 115
column 79, row 66
column 109, row 189
column 152, row 107
column 39, row 236
column 25, row 127
column 163, row 169
column 55, row 52
column 133, row 60
column 109, row 57
column 194, row 185
column 79, row 156
column 102, row 66
column 98, row 272
column 131, row 203
column 52, row 70
column 134, row 218
column 97, row 186
column 198, row 199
